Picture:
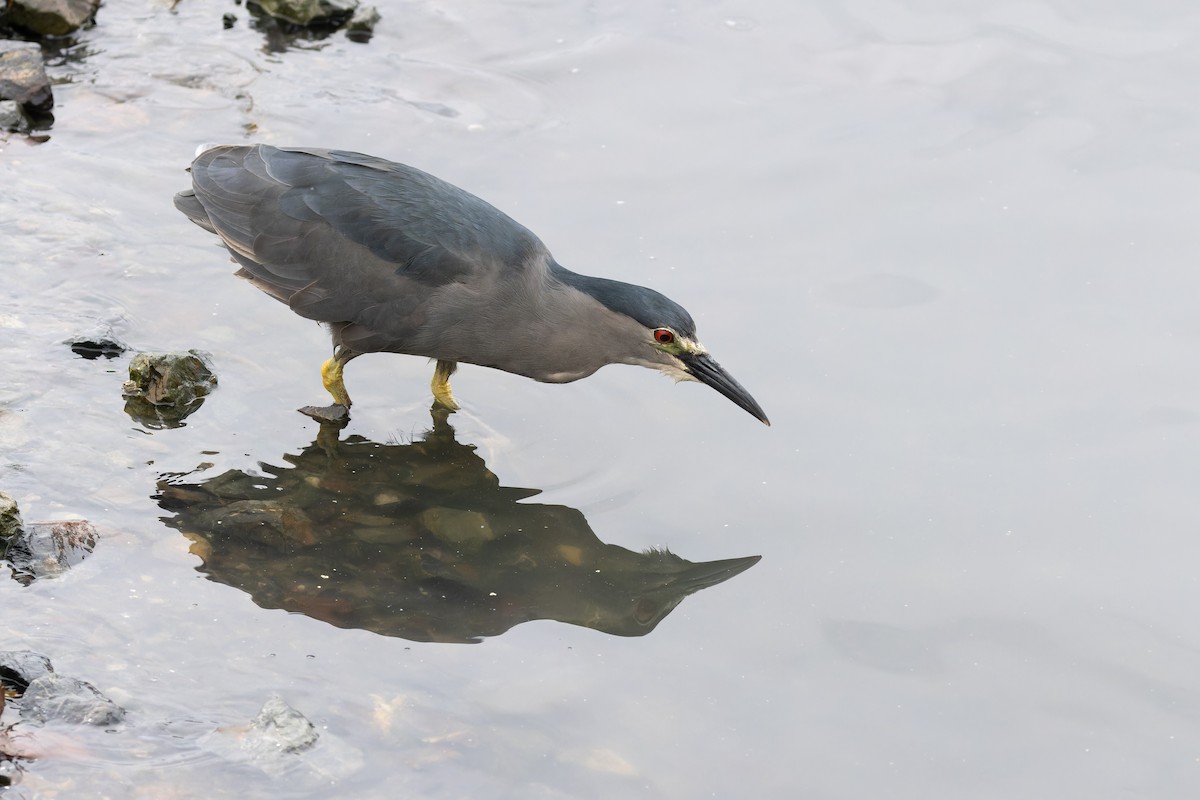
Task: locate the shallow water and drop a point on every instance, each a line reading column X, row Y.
column 947, row 245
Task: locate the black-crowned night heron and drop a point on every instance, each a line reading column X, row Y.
column 395, row 260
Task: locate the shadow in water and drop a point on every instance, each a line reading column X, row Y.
column 422, row 542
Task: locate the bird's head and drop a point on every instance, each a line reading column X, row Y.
column 662, row 335
column 680, row 355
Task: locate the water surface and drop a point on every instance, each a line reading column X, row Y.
column 947, row 245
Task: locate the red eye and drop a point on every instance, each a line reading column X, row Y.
column 663, row 336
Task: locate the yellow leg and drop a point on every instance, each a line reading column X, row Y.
column 331, row 376
column 441, row 384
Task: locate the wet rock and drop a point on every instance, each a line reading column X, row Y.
column 19, row 668
column 48, row 549
column 50, row 17
column 336, row 414
column 23, row 77
column 10, row 517
column 163, row 388
column 63, row 699
column 308, row 12
column 361, row 26
column 14, row 118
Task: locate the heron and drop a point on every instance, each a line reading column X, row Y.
column 395, row 260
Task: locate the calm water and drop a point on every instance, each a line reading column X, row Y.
column 949, row 247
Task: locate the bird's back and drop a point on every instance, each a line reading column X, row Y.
column 355, row 240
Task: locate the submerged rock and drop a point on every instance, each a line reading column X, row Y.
column 50, row 17
column 23, row 77
column 282, row 743
column 19, row 668
column 48, row 549
column 278, row 728
column 62, row 699
column 96, row 345
column 163, row 388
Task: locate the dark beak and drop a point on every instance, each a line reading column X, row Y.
column 704, row 369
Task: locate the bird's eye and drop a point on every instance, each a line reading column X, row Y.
column 664, row 336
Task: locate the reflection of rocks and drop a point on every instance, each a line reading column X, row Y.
column 24, row 87
column 164, row 388
column 421, row 541
column 50, row 17
column 47, row 549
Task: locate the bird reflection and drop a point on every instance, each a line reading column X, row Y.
column 420, row 541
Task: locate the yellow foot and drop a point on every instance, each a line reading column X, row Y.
column 441, row 384
column 331, row 376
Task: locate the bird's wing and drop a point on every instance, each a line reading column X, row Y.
column 344, row 237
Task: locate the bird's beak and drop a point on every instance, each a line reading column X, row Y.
column 703, row 368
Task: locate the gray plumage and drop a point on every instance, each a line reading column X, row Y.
column 396, row 260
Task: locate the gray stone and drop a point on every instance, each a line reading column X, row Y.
column 19, row 668
column 23, row 76
column 278, row 728
column 51, row 17
column 62, row 699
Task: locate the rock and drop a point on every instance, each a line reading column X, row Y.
column 336, row 414
column 10, row 517
column 163, row 388
column 50, row 17
column 23, row 77
column 48, row 549
column 19, row 668
column 14, row 118
column 362, row 24
column 62, row 699
column 308, row 12
column 282, row 743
